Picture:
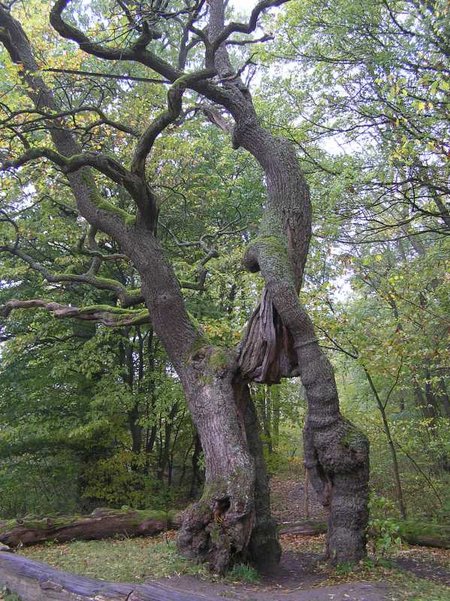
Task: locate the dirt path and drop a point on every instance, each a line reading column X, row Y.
column 358, row 591
column 288, row 500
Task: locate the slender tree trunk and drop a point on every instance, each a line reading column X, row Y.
column 392, row 450
column 165, row 444
column 444, row 397
column 275, row 398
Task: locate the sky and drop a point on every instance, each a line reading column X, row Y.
column 244, row 6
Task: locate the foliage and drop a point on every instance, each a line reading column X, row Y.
column 6, row 595
column 243, row 573
column 383, row 532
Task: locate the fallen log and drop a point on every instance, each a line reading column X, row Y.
column 304, row 528
column 424, row 534
column 421, row 534
column 106, row 523
column 101, row 523
column 36, row 581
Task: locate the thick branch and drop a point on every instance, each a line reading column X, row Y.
column 174, row 105
column 112, row 317
column 119, row 289
column 138, row 52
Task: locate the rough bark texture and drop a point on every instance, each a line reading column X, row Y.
column 220, row 524
column 102, row 523
column 263, row 549
column 336, row 454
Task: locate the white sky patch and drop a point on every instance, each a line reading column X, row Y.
column 244, row 7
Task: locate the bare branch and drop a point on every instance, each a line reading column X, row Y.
column 49, row 116
column 108, row 75
column 265, row 38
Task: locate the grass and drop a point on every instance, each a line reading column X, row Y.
column 410, row 588
column 117, row 560
column 129, row 560
column 140, row 559
column 404, row 586
column 6, row 595
column 243, row 573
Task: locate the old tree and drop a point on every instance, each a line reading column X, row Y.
column 191, row 48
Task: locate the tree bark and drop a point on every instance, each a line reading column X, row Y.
column 336, row 453
column 280, row 339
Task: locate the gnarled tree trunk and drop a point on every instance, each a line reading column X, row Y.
column 280, row 338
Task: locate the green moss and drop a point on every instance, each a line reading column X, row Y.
column 271, row 246
column 108, row 282
column 413, row 531
column 7, row 595
column 104, row 204
column 107, row 309
column 213, row 490
column 134, row 316
column 215, row 533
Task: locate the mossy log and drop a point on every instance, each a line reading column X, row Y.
column 101, row 523
column 421, row 534
column 105, row 523
column 425, row 534
column 36, row 581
